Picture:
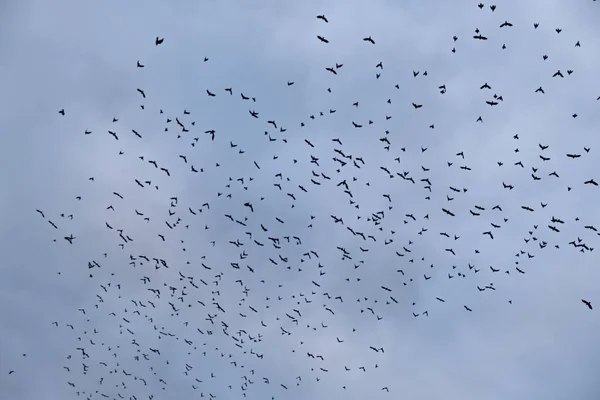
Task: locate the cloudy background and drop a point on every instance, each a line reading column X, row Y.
column 81, row 56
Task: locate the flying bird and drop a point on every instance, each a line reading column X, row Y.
column 369, row 39
column 587, row 303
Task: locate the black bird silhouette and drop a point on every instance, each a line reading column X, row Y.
column 323, row 18
column 448, row 212
column 159, row 41
column 322, row 39
column 369, row 39
column 587, row 303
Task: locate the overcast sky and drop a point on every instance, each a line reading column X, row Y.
column 528, row 335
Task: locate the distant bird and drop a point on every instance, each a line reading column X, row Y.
column 158, row 41
column 587, row 303
column 323, row 18
column 369, row 39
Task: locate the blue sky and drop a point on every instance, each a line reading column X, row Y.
column 528, row 335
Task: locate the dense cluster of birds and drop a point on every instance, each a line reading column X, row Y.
column 209, row 299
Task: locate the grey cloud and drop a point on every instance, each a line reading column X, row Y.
column 82, row 57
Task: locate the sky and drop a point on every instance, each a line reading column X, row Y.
column 70, row 331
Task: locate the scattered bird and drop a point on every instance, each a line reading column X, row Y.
column 587, row 303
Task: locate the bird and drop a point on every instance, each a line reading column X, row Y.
column 587, row 303
column 369, row 39
column 159, row 41
column 322, row 17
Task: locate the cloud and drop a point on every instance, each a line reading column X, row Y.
column 82, row 57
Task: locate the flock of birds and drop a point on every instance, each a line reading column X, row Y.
column 199, row 302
